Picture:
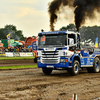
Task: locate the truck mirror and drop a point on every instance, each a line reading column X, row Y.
column 71, row 41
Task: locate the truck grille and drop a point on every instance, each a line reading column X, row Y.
column 50, row 57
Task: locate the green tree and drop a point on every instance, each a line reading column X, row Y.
column 90, row 33
column 15, row 34
column 70, row 27
column 10, row 27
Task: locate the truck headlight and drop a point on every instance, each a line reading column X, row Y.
column 63, row 60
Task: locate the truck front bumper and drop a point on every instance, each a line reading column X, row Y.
column 58, row 65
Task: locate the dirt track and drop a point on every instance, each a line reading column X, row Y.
column 32, row 84
column 17, row 62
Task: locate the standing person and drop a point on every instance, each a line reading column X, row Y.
column 14, row 49
column 17, row 49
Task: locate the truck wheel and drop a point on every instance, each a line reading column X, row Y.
column 35, row 60
column 47, row 71
column 75, row 68
column 96, row 66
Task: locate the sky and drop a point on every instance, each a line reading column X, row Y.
column 31, row 16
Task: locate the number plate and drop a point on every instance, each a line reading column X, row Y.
column 50, row 66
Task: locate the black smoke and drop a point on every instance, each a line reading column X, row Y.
column 54, row 8
column 83, row 9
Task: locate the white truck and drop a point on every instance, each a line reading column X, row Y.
column 60, row 50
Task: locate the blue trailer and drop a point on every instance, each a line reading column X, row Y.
column 61, row 50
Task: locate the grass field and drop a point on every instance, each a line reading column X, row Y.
column 18, row 67
column 15, row 58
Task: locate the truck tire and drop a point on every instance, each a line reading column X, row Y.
column 75, row 68
column 96, row 66
column 47, row 71
column 35, row 60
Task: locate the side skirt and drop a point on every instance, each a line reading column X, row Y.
column 87, row 66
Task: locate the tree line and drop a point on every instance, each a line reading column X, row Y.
column 86, row 33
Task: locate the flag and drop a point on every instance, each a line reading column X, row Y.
column 96, row 43
column 8, row 38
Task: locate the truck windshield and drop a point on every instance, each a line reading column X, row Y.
column 52, row 40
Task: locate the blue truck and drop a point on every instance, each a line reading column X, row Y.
column 61, row 50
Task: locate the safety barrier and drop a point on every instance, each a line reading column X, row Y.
column 16, row 54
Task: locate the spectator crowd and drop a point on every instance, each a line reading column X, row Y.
column 15, row 49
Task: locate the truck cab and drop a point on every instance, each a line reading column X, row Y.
column 61, row 50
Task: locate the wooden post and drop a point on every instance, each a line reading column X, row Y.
column 74, row 96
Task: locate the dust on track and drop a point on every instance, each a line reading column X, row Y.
column 32, row 84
